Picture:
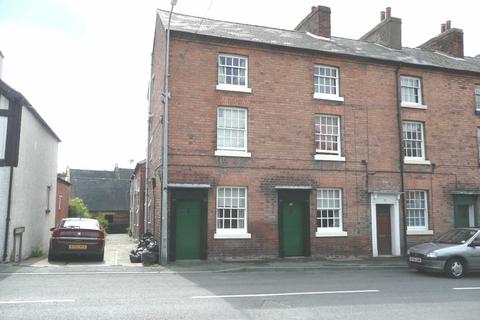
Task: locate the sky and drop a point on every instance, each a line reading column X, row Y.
column 85, row 64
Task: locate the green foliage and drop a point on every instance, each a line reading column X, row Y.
column 76, row 208
column 130, row 233
column 36, row 253
column 103, row 222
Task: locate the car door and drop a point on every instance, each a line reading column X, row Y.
column 474, row 253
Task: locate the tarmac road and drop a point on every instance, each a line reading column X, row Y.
column 145, row 293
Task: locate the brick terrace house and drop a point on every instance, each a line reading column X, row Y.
column 137, row 200
column 104, row 193
column 297, row 143
column 63, row 196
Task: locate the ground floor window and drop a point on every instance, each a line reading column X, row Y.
column 231, row 216
column 329, row 209
column 416, row 205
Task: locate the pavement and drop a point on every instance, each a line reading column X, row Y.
column 118, row 247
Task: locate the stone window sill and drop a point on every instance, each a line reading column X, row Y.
column 328, row 157
column 321, row 233
column 424, row 232
column 234, row 88
column 331, row 97
column 232, row 236
column 413, row 105
column 417, row 161
column 232, row 153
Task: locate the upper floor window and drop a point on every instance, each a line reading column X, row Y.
column 232, row 132
column 411, row 88
column 231, row 220
column 416, row 206
column 413, row 141
column 233, row 73
column 478, row 143
column 327, row 138
column 477, row 97
column 4, row 105
column 329, row 213
column 326, row 83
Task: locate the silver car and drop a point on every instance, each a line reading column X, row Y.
column 454, row 253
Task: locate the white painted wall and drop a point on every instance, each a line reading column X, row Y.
column 37, row 169
column 4, row 176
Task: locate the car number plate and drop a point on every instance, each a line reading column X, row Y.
column 77, row 246
column 415, row 259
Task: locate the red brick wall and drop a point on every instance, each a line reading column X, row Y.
column 281, row 112
column 63, row 195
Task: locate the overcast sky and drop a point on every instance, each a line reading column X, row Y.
column 84, row 64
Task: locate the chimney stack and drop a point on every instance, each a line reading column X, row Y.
column 317, row 22
column 449, row 41
column 388, row 32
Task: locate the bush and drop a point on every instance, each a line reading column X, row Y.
column 103, row 222
column 77, row 209
column 129, row 231
column 36, row 253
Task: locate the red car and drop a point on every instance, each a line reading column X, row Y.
column 77, row 236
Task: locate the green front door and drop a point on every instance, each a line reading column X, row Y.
column 465, row 211
column 293, row 228
column 188, row 229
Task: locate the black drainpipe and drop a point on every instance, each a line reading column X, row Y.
column 7, row 222
column 401, row 158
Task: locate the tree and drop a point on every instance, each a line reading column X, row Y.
column 76, row 208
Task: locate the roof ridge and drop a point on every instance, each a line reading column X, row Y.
column 232, row 22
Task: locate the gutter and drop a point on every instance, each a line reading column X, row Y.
column 401, row 158
column 7, row 220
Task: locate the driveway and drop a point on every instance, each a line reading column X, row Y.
column 117, row 250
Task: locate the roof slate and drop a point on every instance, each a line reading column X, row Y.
column 102, row 190
column 302, row 40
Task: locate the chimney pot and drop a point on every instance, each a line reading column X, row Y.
column 443, row 28
column 382, row 15
column 389, row 12
column 314, row 8
column 449, row 24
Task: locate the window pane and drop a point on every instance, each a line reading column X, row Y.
column 413, row 139
column 4, row 103
column 329, row 208
column 416, row 205
column 231, row 128
column 326, row 80
column 3, row 136
column 231, row 206
column 232, row 70
column 327, row 134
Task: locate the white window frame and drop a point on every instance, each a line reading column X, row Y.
column 4, row 105
column 330, row 231
column 403, row 87
column 228, row 233
column 478, row 144
column 330, row 155
column 326, row 96
column 233, row 151
column 232, row 87
column 408, row 209
column 409, row 159
column 477, row 98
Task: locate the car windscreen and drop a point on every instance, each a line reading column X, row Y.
column 80, row 224
column 456, row 236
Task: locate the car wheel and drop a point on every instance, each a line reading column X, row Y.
column 51, row 257
column 455, row 268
